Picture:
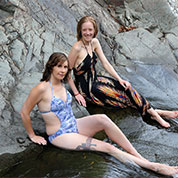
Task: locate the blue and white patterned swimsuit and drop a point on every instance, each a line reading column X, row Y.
column 64, row 112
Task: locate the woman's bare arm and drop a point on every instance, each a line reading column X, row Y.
column 34, row 98
column 108, row 67
column 73, row 54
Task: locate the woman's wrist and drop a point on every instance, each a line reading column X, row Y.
column 76, row 94
column 31, row 136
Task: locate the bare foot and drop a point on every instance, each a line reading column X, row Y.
column 161, row 121
column 165, row 169
column 167, row 114
column 156, row 116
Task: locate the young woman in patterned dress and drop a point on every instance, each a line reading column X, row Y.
column 101, row 90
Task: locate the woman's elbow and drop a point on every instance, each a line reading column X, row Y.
column 23, row 113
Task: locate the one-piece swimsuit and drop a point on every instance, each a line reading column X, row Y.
column 106, row 91
column 65, row 114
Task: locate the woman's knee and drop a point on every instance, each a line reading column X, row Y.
column 103, row 120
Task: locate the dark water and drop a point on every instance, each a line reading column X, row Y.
column 54, row 162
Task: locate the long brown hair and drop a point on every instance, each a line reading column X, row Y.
column 82, row 21
column 54, row 59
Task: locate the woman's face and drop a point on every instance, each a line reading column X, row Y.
column 87, row 31
column 60, row 70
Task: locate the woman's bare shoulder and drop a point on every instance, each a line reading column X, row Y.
column 77, row 46
column 41, row 87
column 36, row 94
column 95, row 43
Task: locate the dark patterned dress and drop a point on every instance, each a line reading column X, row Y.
column 106, row 91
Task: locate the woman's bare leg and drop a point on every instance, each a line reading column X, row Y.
column 90, row 125
column 167, row 114
column 157, row 117
column 74, row 141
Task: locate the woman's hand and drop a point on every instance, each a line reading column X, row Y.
column 125, row 84
column 80, row 99
column 39, row 140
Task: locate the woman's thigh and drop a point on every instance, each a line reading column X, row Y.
column 75, row 141
column 92, row 124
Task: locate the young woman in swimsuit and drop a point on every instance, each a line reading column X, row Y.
column 64, row 131
column 104, row 91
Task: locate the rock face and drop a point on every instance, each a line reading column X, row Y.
column 30, row 31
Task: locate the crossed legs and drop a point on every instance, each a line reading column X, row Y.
column 157, row 115
column 90, row 125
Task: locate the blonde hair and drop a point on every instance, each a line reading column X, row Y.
column 82, row 21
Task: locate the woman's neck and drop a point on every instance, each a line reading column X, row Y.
column 55, row 81
column 86, row 43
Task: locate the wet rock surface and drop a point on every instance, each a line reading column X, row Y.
column 154, row 143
